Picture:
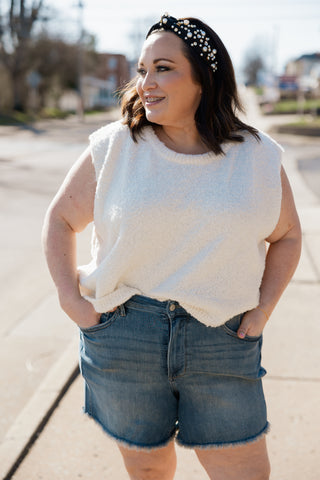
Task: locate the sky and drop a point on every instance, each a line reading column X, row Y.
column 280, row 29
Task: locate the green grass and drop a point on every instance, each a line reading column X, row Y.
column 52, row 113
column 307, row 122
column 15, row 118
column 19, row 118
column 258, row 90
column 302, row 126
column 292, row 106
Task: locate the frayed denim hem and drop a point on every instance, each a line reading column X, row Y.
column 127, row 443
column 238, row 443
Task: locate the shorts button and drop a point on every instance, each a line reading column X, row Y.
column 172, row 307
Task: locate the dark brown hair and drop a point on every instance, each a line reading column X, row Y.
column 216, row 117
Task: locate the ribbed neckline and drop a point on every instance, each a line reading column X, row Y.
column 203, row 158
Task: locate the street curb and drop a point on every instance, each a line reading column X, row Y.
column 298, row 130
column 31, row 421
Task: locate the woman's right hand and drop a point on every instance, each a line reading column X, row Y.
column 80, row 311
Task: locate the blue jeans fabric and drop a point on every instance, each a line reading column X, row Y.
column 153, row 372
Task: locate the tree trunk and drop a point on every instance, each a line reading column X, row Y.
column 18, row 30
column 20, row 91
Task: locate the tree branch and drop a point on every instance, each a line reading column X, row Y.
column 11, row 17
column 36, row 7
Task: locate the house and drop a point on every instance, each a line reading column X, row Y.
column 113, row 68
column 306, row 70
column 97, row 93
column 99, row 89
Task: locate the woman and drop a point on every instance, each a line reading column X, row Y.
column 184, row 198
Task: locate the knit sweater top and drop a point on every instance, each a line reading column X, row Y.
column 189, row 228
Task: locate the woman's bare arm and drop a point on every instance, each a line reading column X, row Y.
column 69, row 213
column 282, row 259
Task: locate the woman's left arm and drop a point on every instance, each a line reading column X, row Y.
column 281, row 261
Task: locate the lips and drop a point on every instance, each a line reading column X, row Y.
column 153, row 100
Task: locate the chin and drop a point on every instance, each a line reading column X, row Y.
column 153, row 117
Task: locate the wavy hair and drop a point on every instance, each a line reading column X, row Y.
column 216, row 117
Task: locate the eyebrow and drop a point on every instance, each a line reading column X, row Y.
column 156, row 60
column 162, row 59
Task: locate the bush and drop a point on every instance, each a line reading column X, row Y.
column 53, row 113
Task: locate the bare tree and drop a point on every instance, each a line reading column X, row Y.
column 16, row 25
column 57, row 63
column 256, row 59
column 253, row 65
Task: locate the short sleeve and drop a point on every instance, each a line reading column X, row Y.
column 268, row 163
column 99, row 142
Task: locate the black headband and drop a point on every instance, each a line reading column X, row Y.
column 191, row 34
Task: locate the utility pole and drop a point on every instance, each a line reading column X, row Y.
column 80, row 7
column 275, row 47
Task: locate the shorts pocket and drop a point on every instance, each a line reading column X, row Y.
column 231, row 327
column 106, row 319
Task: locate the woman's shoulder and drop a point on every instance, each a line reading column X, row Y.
column 262, row 143
column 103, row 134
column 101, row 142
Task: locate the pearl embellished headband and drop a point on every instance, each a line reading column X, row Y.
column 194, row 36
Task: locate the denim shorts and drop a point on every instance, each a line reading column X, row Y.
column 153, row 373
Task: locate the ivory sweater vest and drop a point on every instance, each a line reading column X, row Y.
column 189, row 228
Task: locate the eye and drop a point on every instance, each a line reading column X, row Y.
column 141, row 71
column 162, row 68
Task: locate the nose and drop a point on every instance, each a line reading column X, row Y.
column 148, row 82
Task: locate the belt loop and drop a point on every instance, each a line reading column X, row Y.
column 122, row 310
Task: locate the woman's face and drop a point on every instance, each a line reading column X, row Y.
column 165, row 83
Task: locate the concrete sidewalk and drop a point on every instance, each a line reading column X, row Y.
column 71, row 447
